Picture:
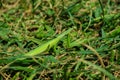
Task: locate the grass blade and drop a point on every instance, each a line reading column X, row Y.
column 99, row 68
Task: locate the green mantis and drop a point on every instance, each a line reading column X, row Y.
column 47, row 45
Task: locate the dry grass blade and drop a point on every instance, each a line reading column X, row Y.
column 96, row 53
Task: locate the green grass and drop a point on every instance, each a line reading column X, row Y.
column 59, row 39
